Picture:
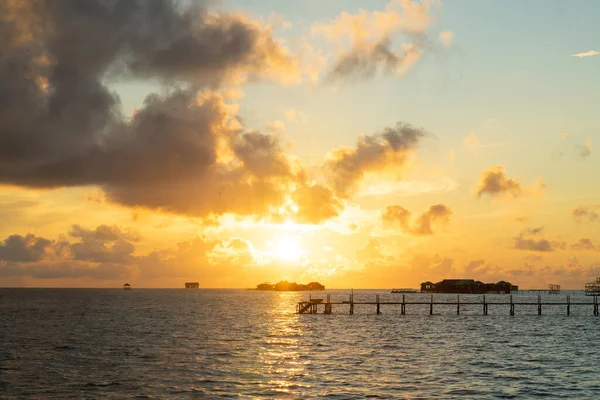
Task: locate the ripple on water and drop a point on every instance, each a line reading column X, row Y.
column 106, row 344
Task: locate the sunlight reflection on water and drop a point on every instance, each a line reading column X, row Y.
column 73, row 344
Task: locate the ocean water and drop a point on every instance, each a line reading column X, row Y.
column 188, row 344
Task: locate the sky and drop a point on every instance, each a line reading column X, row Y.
column 359, row 144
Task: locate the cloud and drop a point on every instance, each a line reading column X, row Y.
column 103, row 253
column 370, row 37
column 390, row 148
column 316, row 203
column 585, row 150
column 275, row 127
column 103, row 233
column 185, row 152
column 586, row 54
column 585, row 244
column 590, row 213
column 27, row 248
column 108, row 257
column 363, row 62
column 447, row 38
column 395, row 216
column 531, row 240
column 495, row 182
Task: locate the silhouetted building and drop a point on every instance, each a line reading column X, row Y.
column 127, row 286
column 593, row 288
column 265, row 286
column 467, row 286
column 192, row 285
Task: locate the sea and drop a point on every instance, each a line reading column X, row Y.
column 232, row 343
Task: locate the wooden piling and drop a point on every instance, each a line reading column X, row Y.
column 403, row 306
column 431, row 306
column 596, row 305
column 457, row 304
column 539, row 304
column 568, row 304
column 378, row 311
column 485, row 310
column 512, row 306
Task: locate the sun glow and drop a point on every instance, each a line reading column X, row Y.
column 288, row 248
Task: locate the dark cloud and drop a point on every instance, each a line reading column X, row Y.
column 390, row 148
column 586, row 213
column 96, row 253
column 103, row 233
column 27, row 248
column 585, row 244
column 367, row 39
column 394, row 216
column 531, row 240
column 186, row 153
column 495, row 182
column 364, row 61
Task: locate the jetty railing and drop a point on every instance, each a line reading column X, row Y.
column 312, row 305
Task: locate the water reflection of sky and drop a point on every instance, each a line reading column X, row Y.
column 280, row 356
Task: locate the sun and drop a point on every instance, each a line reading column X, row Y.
column 288, row 248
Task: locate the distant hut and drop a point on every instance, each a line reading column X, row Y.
column 192, row 285
column 265, row 286
column 315, row 286
column 127, row 286
column 426, row 286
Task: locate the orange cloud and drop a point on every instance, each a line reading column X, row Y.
column 370, row 36
column 589, row 212
column 495, row 182
column 391, row 148
column 395, row 216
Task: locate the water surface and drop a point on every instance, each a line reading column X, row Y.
column 186, row 344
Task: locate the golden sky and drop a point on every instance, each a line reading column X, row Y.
column 380, row 147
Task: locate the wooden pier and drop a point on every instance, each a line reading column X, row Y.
column 312, row 305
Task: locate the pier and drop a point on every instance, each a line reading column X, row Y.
column 312, row 305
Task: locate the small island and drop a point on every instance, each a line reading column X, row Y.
column 285, row 286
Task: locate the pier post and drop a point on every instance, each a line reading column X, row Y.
column 596, row 305
column 485, row 310
column 568, row 304
column 458, row 304
column 403, row 306
column 378, row 311
column 512, row 306
column 431, row 306
column 352, row 303
column 328, row 306
column 539, row 304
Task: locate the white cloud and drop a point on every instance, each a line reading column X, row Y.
column 586, row 54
